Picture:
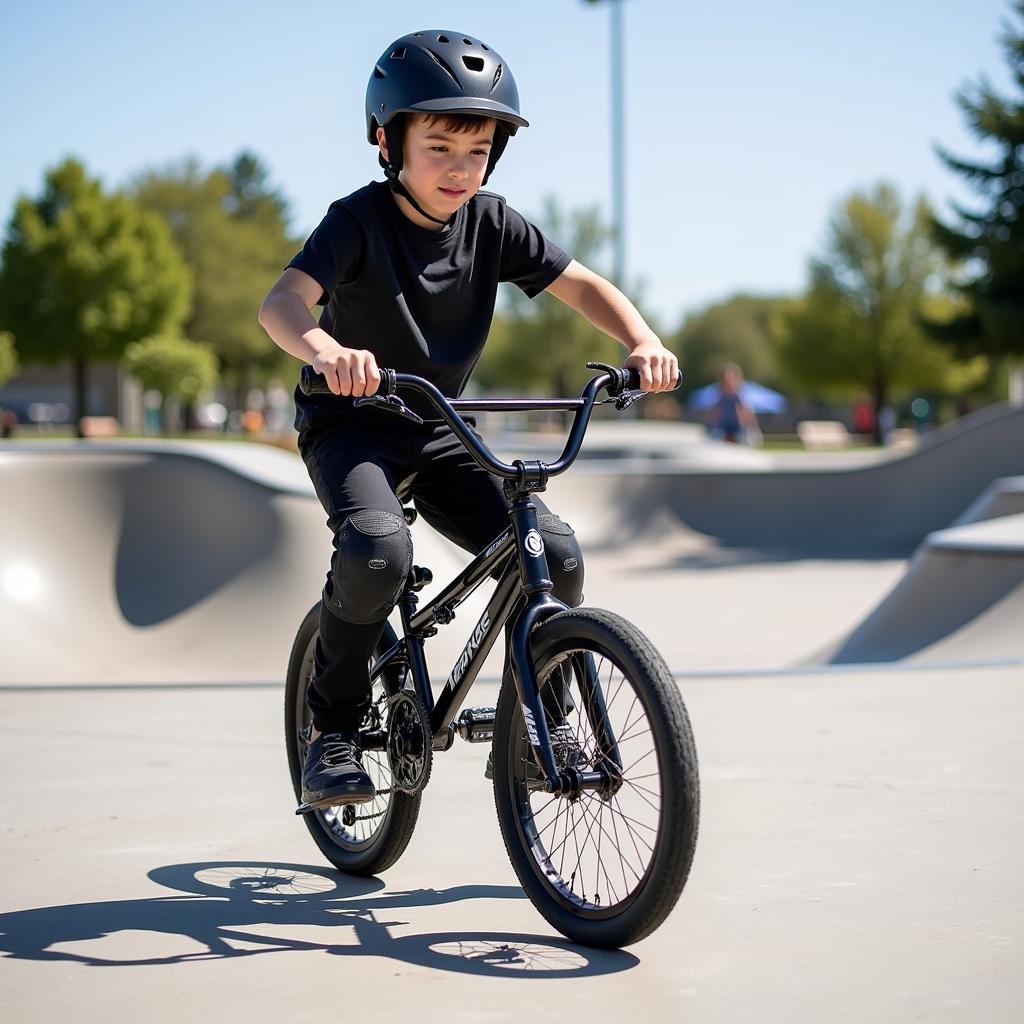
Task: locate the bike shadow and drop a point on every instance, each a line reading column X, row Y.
column 233, row 909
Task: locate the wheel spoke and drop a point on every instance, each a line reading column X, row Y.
column 622, row 860
column 638, row 760
column 650, row 803
column 629, row 821
column 617, row 847
column 600, row 868
column 626, row 737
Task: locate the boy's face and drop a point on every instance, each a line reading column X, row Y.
column 441, row 168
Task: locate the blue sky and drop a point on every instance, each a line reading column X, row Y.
column 746, row 120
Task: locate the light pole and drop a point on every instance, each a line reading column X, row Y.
column 618, row 141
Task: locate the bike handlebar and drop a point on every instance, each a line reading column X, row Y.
column 622, row 383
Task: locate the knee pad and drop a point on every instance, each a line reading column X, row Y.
column 565, row 560
column 372, row 559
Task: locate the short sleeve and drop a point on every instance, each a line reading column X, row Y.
column 528, row 258
column 333, row 253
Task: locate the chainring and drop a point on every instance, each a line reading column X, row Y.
column 410, row 742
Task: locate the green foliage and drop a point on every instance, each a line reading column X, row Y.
column 174, row 366
column 8, row 357
column 988, row 245
column 858, row 328
column 737, row 330
column 85, row 273
column 542, row 344
column 232, row 231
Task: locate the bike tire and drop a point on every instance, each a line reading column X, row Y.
column 567, row 640
column 354, row 854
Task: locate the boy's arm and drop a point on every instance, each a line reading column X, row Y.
column 285, row 316
column 610, row 311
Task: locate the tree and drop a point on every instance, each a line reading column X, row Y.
column 232, row 231
column 542, row 343
column 85, row 273
column 251, row 198
column 859, row 327
column 736, row 330
column 988, row 245
column 174, row 366
column 8, row 357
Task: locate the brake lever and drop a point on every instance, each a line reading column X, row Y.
column 627, row 398
column 389, row 403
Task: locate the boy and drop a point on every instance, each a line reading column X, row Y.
column 407, row 273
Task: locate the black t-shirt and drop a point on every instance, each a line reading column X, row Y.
column 420, row 300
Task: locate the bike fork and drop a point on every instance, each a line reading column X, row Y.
column 537, row 587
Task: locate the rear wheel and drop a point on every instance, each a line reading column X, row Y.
column 361, row 839
column 607, row 867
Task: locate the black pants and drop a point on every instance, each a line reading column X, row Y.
column 359, row 463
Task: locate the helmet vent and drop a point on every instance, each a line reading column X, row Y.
column 485, row 46
column 444, row 64
column 443, row 39
column 469, row 42
column 379, row 72
column 497, row 78
column 398, row 54
column 473, row 63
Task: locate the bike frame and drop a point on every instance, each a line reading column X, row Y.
column 525, row 581
column 524, row 577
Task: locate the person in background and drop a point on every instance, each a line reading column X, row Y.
column 863, row 414
column 8, row 422
column 731, row 418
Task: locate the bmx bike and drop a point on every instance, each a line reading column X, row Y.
column 594, row 764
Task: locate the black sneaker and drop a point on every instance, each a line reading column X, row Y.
column 333, row 775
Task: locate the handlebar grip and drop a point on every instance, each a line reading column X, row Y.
column 313, row 383
column 633, row 379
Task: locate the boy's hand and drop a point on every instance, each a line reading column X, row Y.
column 348, row 371
column 658, row 367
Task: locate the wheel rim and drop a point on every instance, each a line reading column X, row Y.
column 354, row 827
column 593, row 854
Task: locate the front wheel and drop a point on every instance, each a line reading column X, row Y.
column 607, row 867
column 361, row 839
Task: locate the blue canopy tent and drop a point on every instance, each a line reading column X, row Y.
column 754, row 396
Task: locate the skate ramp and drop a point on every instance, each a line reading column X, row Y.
column 161, row 562
column 961, row 600
column 131, row 563
column 1002, row 498
column 881, row 510
column 164, row 562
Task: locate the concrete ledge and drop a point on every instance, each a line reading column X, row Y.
column 961, row 598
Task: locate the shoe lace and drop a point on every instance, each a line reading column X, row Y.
column 339, row 749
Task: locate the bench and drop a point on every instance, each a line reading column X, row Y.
column 818, row 435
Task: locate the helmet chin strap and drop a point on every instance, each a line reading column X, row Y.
column 400, row 190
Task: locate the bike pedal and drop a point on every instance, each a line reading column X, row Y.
column 304, row 809
column 476, row 725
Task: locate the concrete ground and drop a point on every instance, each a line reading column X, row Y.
column 859, row 860
column 860, row 848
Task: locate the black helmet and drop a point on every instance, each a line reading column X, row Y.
column 445, row 73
